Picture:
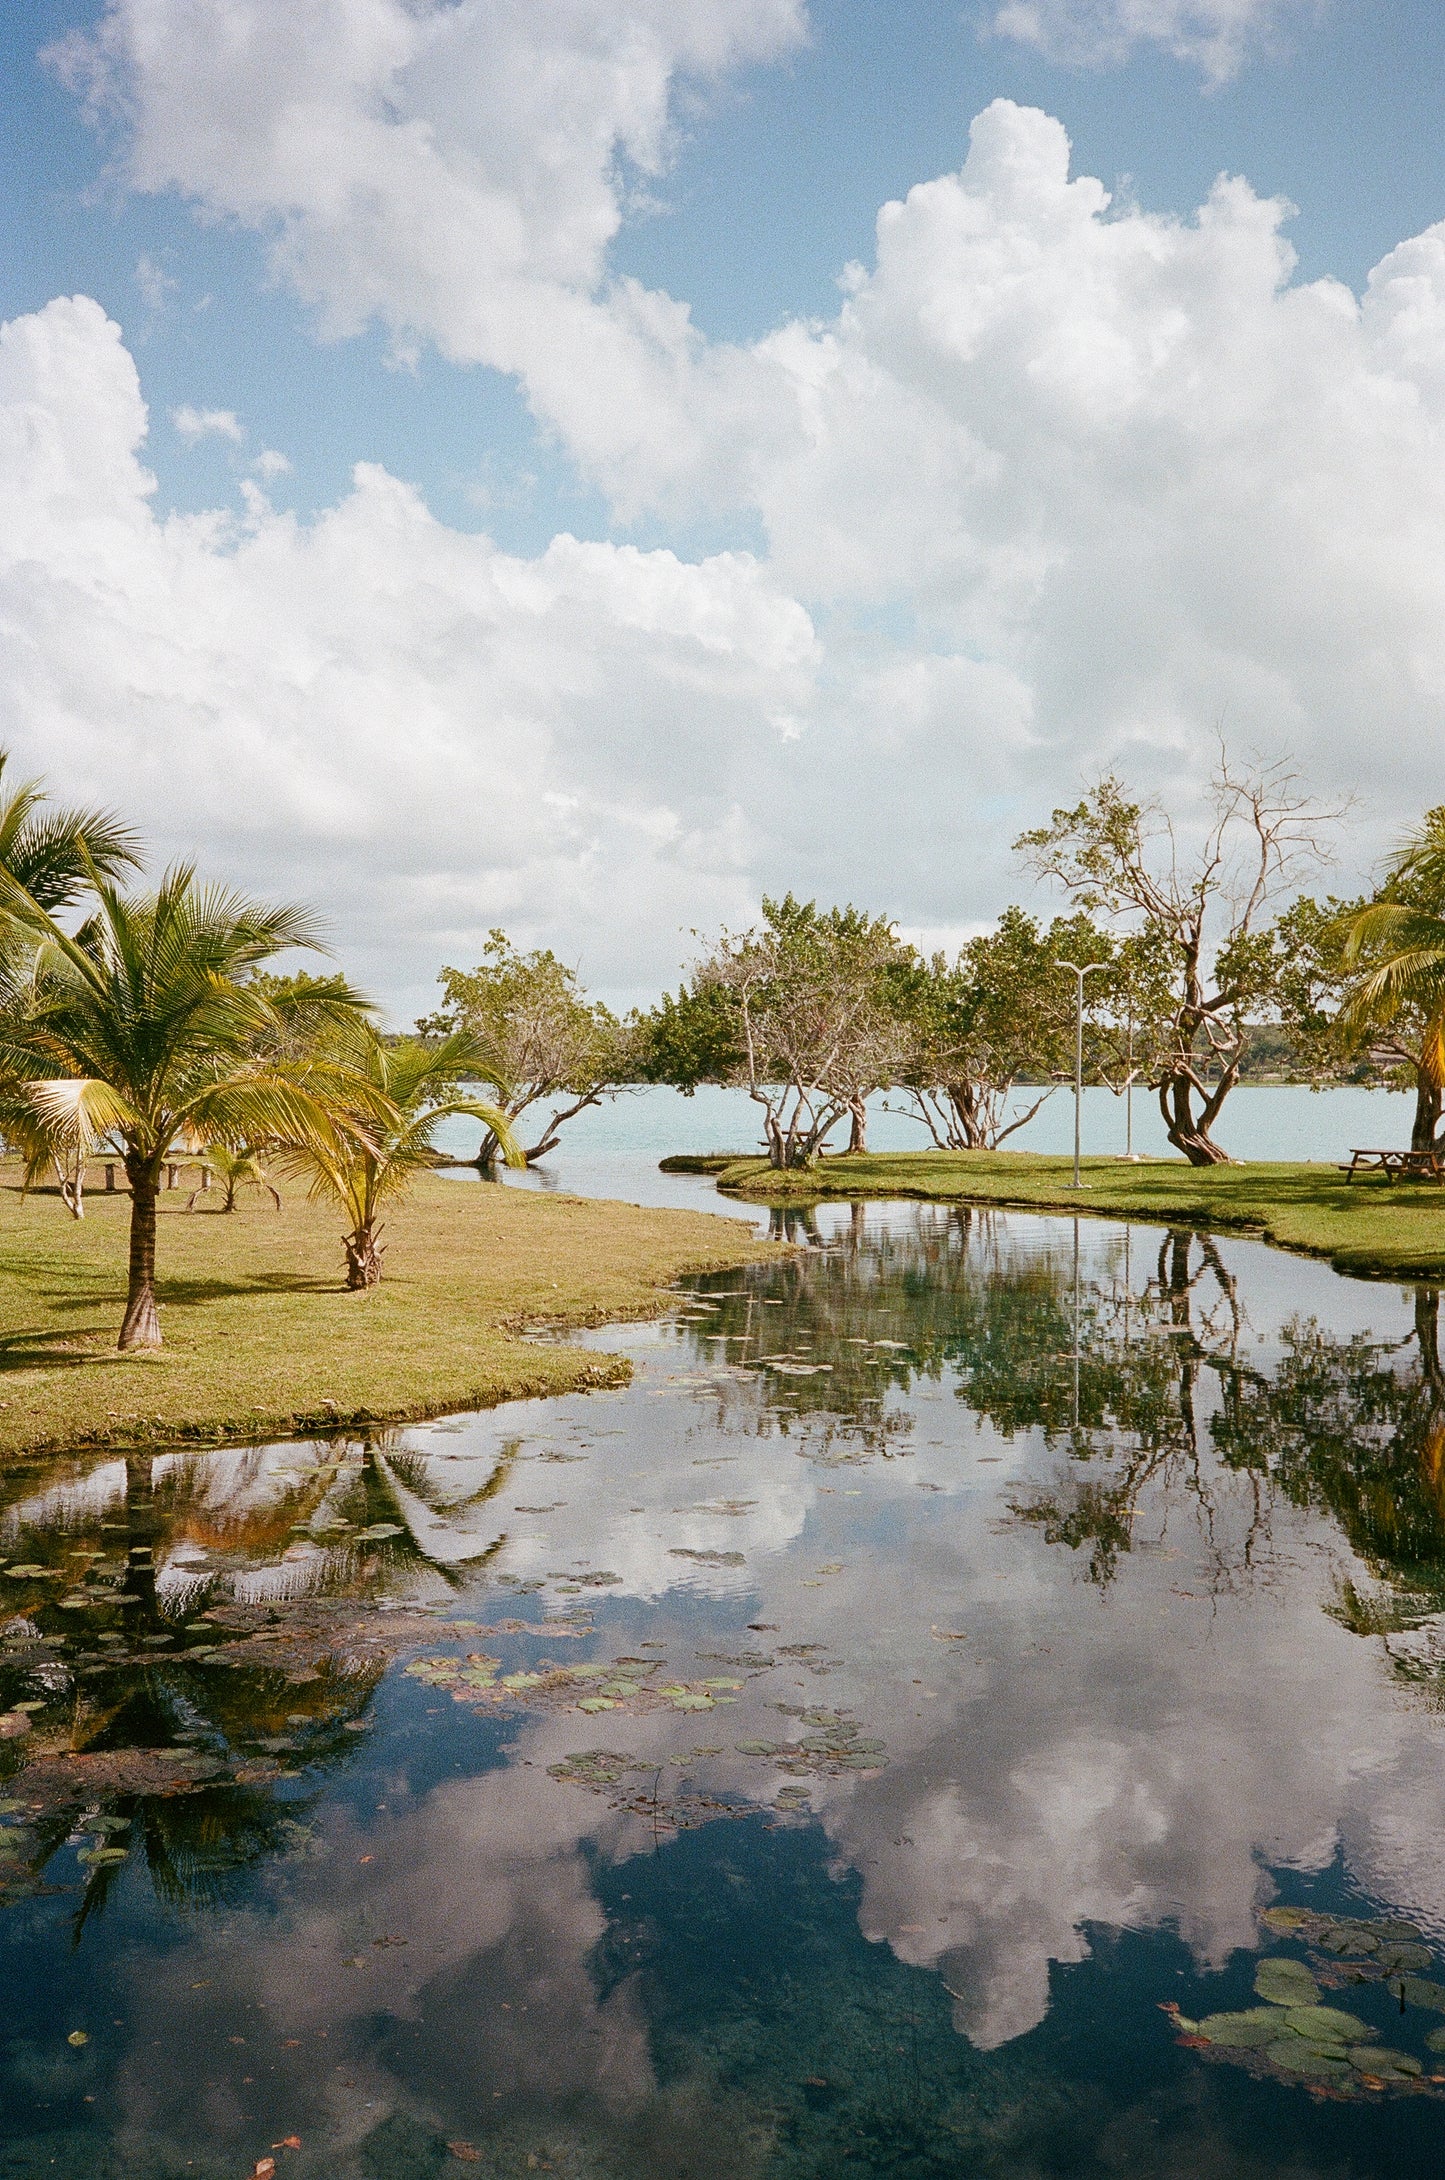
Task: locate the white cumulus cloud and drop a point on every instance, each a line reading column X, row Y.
column 1217, row 35
column 422, row 734
column 194, row 424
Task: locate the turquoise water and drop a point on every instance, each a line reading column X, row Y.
column 857, row 1746
column 613, row 1149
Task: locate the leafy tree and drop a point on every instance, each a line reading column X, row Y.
column 1396, row 946
column 1001, row 1013
column 144, row 1028
column 808, row 1012
column 1199, row 918
column 409, row 1085
column 538, row 1037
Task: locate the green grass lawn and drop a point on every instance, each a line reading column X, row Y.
column 262, row 1340
column 1363, row 1226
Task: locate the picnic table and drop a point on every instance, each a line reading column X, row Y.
column 1409, row 1165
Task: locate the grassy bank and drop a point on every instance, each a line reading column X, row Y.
column 1362, row 1226
column 261, row 1340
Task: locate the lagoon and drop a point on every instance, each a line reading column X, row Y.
column 864, row 1744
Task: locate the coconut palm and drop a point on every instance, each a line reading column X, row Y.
column 144, row 1028
column 1398, row 945
column 54, row 854
column 417, row 1082
column 236, row 1170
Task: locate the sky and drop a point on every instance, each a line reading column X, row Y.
column 581, row 465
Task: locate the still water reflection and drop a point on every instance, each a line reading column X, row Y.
column 867, row 1743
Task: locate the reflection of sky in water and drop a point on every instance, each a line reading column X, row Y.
column 1099, row 1656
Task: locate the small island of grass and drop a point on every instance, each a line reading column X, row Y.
column 1365, row 1227
column 262, row 1340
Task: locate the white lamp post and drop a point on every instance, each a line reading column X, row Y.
column 1087, row 970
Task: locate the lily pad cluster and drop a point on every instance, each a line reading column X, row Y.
column 1383, row 1947
column 1294, row 2035
column 628, row 1684
column 836, row 1744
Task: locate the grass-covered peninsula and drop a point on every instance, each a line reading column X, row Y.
column 1362, row 1226
column 262, row 1340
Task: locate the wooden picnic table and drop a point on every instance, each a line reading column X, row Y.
column 1409, row 1165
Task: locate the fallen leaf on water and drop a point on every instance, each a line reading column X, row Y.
column 263, row 2168
column 77, row 2037
column 287, row 2142
column 465, row 2152
column 368, row 1858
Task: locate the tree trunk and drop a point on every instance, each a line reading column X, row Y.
column 142, row 1326
column 858, row 1133
column 1188, row 1133
column 363, row 1258
column 1428, row 1099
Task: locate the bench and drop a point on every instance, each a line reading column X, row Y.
column 1409, row 1165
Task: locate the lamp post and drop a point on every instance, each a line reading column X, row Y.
column 1087, row 969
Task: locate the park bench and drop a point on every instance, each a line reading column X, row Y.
column 1409, row 1165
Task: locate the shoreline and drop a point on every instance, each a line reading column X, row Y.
column 263, row 1343
column 1365, row 1228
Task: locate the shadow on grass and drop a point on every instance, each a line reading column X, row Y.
column 57, row 1350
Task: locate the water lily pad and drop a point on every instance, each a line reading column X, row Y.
column 755, row 1748
column 1326, row 2024
column 1241, row 2030
column 1420, row 1991
column 1295, row 2056
column 377, row 1531
column 1284, row 1919
column 597, row 1703
column 1386, row 2066
column 1340, row 1938
column 1286, row 1983
column 1394, row 1955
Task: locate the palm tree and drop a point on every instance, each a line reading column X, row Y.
column 416, row 1082
column 237, row 1169
column 1398, row 944
column 144, row 1027
column 54, row 855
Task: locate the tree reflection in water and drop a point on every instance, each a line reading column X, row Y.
column 1152, row 1388
column 131, row 1584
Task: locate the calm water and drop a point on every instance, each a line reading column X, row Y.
column 613, row 1149
column 833, row 1754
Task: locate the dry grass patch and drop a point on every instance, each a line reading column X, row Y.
column 262, row 1340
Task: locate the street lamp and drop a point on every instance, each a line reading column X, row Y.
column 1087, row 970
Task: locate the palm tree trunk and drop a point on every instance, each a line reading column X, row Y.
column 363, row 1257
column 142, row 1326
column 1428, row 1099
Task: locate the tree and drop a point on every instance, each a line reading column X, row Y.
column 807, row 1012
column 538, row 1036
column 1004, row 1011
column 1396, row 946
column 1199, row 918
column 53, row 855
column 409, row 1085
column 236, row 1170
column 143, row 1027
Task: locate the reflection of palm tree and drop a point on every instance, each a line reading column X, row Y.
column 381, row 1517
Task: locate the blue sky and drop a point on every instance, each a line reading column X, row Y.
column 776, row 187
column 875, row 565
